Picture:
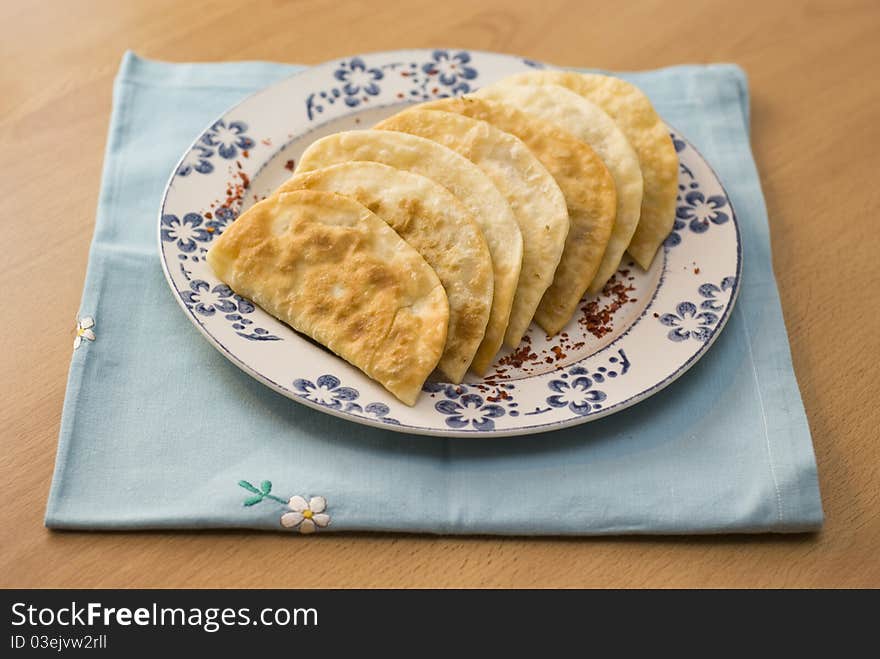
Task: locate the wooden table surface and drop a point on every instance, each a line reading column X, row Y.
column 816, row 136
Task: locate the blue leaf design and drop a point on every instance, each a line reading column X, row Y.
column 686, row 309
column 455, row 422
column 484, row 424
column 708, row 290
column 447, row 406
column 328, row 381
column 345, row 393
column 302, row 385
column 493, row 411
column 471, row 399
column 377, row 409
column 583, row 383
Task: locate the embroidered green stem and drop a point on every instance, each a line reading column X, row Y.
column 259, row 494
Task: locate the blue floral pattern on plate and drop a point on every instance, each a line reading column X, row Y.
column 711, row 293
column 451, row 69
column 206, row 301
column 328, row 391
column 184, row 232
column 446, row 73
column 357, row 80
column 578, row 394
column 688, row 323
column 197, row 160
column 695, row 210
column 698, row 210
column 222, row 217
column 228, row 139
column 575, row 388
column 470, row 409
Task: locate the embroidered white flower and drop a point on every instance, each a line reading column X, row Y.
column 306, row 515
column 84, row 327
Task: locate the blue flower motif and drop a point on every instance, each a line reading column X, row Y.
column 711, row 292
column 578, row 395
column 228, row 138
column 451, row 70
column 356, row 78
column 699, row 211
column 674, row 238
column 326, row 391
column 380, row 411
column 469, row 409
column 207, row 301
column 196, row 160
column 449, row 390
column 185, row 232
column 677, row 143
column 223, row 216
column 688, row 323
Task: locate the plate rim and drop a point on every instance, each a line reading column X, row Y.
column 422, row 431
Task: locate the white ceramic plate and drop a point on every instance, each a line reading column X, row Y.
column 637, row 337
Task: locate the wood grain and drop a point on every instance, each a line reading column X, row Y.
column 815, row 137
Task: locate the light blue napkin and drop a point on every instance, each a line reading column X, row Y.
column 160, row 431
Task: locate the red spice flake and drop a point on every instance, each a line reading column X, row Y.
column 289, row 165
column 656, row 315
column 557, row 351
column 399, row 94
column 266, row 141
column 357, row 120
column 435, row 90
column 405, row 74
column 597, row 320
column 238, row 164
column 518, row 357
column 499, row 394
column 578, row 345
column 246, row 154
column 209, row 229
column 696, row 271
column 209, row 215
column 549, row 360
column 235, row 192
column 625, row 273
